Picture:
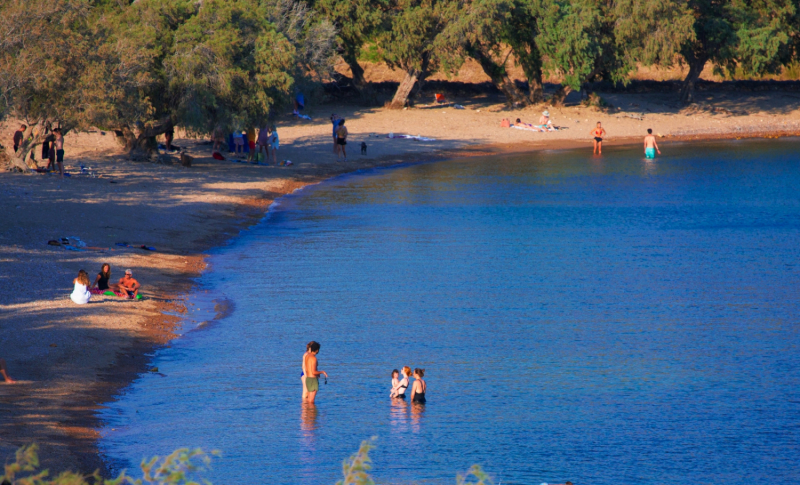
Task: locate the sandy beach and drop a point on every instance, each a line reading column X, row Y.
column 69, row 359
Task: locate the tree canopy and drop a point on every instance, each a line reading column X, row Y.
column 139, row 67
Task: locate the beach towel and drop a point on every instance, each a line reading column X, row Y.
column 410, row 137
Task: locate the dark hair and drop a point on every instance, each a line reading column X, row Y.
column 395, row 371
column 341, row 122
column 649, row 131
column 105, row 274
column 23, row 126
column 518, row 121
column 419, row 372
column 313, row 346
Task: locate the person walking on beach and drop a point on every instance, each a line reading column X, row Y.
column 419, row 387
column 4, row 372
column 58, row 145
column 598, row 133
column 311, row 371
column 341, row 139
column 650, row 145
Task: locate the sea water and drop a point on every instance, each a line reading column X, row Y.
column 604, row 320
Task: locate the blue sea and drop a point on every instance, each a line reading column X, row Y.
column 604, row 320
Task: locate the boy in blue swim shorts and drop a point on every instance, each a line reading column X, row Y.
column 650, row 145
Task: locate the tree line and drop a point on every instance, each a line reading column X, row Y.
column 139, row 67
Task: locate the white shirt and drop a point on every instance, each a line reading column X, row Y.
column 80, row 294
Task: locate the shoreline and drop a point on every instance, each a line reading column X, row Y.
column 72, row 429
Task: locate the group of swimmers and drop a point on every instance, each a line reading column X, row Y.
column 399, row 386
column 127, row 287
column 650, row 145
column 311, row 373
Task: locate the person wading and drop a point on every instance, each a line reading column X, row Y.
column 311, row 372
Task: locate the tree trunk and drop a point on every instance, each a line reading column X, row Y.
column 363, row 87
column 21, row 158
column 140, row 143
column 696, row 65
column 535, row 89
column 404, row 89
column 560, row 95
column 413, row 77
column 497, row 73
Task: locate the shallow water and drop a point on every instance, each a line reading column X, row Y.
column 600, row 320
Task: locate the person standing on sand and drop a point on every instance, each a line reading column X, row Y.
column 4, row 372
column 251, row 144
column 58, row 144
column 650, row 145
column 335, row 122
column 19, row 136
column 274, row 143
column 341, row 139
column 262, row 143
column 598, row 133
column 311, row 372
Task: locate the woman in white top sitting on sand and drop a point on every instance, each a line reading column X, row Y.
column 81, row 294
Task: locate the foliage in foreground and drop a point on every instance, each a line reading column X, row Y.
column 178, row 468
column 181, row 467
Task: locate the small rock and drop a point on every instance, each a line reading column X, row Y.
column 154, row 369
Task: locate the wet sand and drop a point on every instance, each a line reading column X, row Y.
column 70, row 359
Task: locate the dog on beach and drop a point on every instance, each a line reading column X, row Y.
column 363, row 148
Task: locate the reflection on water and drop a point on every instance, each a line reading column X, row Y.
column 603, row 320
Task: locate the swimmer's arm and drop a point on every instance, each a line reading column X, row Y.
column 656, row 145
column 96, row 280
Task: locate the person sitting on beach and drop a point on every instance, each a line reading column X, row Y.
column 4, row 372
column 101, row 283
column 650, row 145
column 545, row 121
column 80, row 294
column 129, row 286
column 419, row 387
column 311, row 372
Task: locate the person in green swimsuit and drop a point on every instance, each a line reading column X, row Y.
column 310, row 371
column 650, row 145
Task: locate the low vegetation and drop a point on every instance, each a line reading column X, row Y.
column 185, row 467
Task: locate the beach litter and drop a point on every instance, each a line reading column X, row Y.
column 285, row 163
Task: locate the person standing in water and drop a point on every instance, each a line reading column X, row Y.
column 598, row 133
column 650, row 145
column 311, row 372
column 419, row 387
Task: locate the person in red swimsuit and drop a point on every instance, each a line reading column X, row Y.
column 598, row 133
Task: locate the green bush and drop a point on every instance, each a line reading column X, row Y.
column 180, row 468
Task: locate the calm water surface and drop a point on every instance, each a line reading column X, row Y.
column 601, row 320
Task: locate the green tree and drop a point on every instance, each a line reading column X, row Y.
column 753, row 36
column 409, row 43
column 45, row 48
column 576, row 40
column 484, row 30
column 356, row 21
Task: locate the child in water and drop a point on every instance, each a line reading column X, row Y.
column 395, row 383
